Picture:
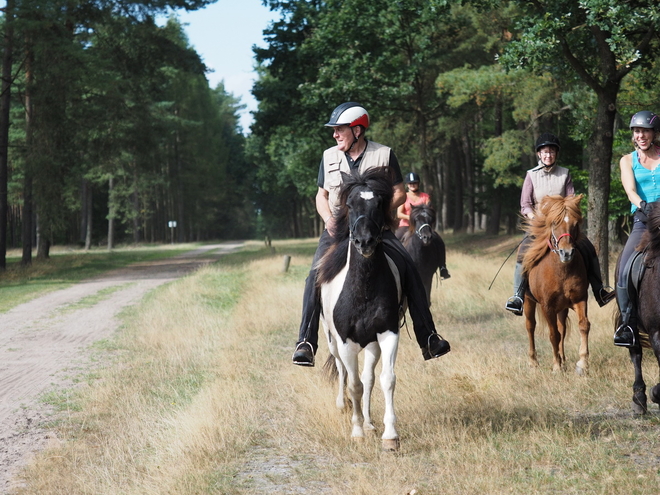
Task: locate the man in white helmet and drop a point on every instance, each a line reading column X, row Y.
column 349, row 122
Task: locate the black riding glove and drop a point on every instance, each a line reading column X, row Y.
column 644, row 211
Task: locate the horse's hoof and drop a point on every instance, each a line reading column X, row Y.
column 639, row 404
column 655, row 394
column 391, row 445
column 581, row 371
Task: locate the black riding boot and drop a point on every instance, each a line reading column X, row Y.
column 515, row 302
column 433, row 345
column 626, row 334
column 308, row 334
column 602, row 293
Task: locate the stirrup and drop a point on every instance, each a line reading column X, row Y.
column 618, row 338
column 304, row 354
column 515, row 305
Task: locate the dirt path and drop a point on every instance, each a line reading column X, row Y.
column 45, row 341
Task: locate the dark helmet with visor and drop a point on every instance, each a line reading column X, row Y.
column 547, row 139
column 645, row 120
column 412, row 177
column 350, row 114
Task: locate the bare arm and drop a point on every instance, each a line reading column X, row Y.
column 399, row 196
column 628, row 180
column 401, row 214
column 323, row 208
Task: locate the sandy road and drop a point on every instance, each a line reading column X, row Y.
column 43, row 342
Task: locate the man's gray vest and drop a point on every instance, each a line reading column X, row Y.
column 335, row 162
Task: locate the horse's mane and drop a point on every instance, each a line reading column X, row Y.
column 651, row 238
column 551, row 211
column 380, row 181
column 415, row 212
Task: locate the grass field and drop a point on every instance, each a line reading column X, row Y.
column 198, row 396
column 67, row 266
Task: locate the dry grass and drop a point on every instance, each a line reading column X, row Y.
column 202, row 398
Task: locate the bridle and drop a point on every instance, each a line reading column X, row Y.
column 418, row 231
column 352, row 229
column 553, row 241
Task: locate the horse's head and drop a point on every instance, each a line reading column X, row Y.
column 365, row 202
column 558, row 220
column 422, row 220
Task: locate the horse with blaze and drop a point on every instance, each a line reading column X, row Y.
column 425, row 246
column 557, row 277
column 361, row 297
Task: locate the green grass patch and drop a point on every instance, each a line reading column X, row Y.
column 20, row 284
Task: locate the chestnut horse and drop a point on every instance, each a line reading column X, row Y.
column 557, row 277
column 361, row 295
column 648, row 311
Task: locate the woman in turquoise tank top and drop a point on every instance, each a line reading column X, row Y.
column 640, row 177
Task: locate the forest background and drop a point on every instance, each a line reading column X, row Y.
column 109, row 129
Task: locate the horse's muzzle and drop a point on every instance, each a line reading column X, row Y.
column 366, row 247
column 566, row 255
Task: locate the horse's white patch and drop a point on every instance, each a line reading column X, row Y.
column 566, row 219
column 367, row 195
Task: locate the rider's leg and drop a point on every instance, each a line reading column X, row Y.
column 431, row 343
column 515, row 302
column 602, row 293
column 308, row 334
column 626, row 333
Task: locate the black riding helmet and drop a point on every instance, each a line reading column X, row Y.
column 412, row 177
column 547, row 139
column 645, row 120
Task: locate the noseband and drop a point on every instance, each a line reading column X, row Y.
column 418, row 231
column 553, row 242
column 352, row 229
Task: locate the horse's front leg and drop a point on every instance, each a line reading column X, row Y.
column 561, row 328
column 371, row 357
column 582, row 366
column 639, row 387
column 555, row 338
column 348, row 354
column 389, row 344
column 530, row 325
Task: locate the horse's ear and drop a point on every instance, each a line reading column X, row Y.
column 344, row 176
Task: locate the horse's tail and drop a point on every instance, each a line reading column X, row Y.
column 329, row 370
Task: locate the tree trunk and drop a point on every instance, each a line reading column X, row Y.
column 457, row 162
column 111, row 216
column 88, row 214
column 600, row 156
column 5, row 103
column 26, row 258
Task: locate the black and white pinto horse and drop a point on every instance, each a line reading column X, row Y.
column 424, row 244
column 361, row 294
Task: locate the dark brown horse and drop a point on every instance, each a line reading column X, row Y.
column 648, row 311
column 426, row 247
column 557, row 277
